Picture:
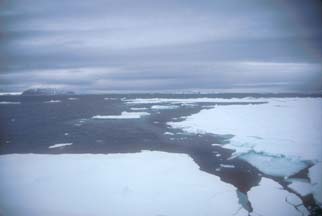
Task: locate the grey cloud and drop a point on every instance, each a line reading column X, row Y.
column 130, row 45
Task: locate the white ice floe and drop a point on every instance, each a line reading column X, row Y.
column 269, row 198
column 168, row 133
column 302, row 188
column 289, row 126
column 277, row 137
column 9, row 93
column 9, row 102
column 53, row 101
column 147, row 183
column 138, row 108
column 164, row 107
column 124, row 115
column 192, row 100
column 60, row 145
column 274, row 165
column 315, row 174
column 72, row 98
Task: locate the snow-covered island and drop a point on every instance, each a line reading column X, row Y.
column 46, row 92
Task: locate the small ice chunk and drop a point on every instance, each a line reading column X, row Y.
column 215, row 144
column 227, row 166
column 53, row 101
column 60, row 145
column 168, row 133
column 124, row 115
column 72, row 98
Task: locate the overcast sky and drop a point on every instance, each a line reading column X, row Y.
column 103, row 45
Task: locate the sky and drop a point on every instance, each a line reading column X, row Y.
column 125, row 45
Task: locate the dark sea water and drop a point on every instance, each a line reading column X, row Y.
column 34, row 125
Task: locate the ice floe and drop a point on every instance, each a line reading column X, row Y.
column 124, row 115
column 302, row 188
column 274, row 165
column 9, row 93
column 147, row 183
column 269, row 198
column 60, row 145
column 164, row 107
column 9, row 102
column 138, row 108
column 280, row 137
column 315, row 174
column 289, row 126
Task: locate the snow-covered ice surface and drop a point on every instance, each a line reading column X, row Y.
column 302, row 188
column 315, row 174
column 60, row 145
column 124, row 115
column 274, row 165
column 280, row 137
column 147, row 183
column 269, row 198
column 9, row 102
column 290, row 127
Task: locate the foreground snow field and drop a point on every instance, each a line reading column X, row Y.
column 280, row 137
column 147, row 183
